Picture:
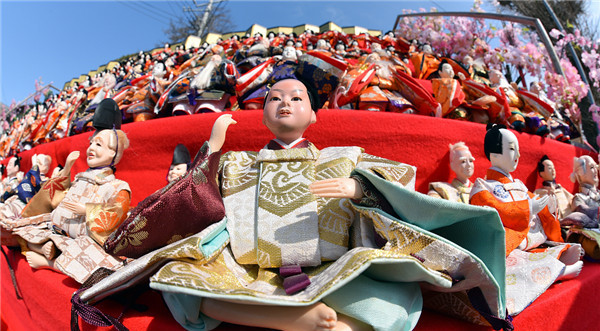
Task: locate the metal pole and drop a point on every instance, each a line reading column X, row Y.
column 572, row 53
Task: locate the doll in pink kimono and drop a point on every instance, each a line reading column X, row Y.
column 536, row 255
column 461, row 163
column 69, row 238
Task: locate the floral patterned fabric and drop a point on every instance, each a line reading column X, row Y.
column 80, row 255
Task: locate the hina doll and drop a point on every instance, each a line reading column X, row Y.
column 13, row 177
column 69, row 238
column 301, row 268
column 30, row 184
column 585, row 204
column 559, row 203
column 582, row 223
column 179, row 163
column 461, row 163
column 536, row 255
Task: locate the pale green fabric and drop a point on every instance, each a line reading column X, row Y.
column 476, row 229
column 374, row 302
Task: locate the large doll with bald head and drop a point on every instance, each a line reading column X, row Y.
column 528, row 224
column 461, row 163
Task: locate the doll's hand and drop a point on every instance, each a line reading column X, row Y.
column 76, row 208
column 337, row 188
column 461, row 76
column 71, row 158
column 217, row 137
column 536, row 205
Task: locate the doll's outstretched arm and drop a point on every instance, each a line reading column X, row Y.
column 337, row 188
column 217, row 136
column 71, row 158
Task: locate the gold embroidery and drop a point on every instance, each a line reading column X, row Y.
column 135, row 236
column 269, row 254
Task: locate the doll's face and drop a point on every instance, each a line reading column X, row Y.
column 447, row 71
column 176, row 171
column 590, row 176
column 99, row 153
column 509, row 159
column 289, row 53
column 287, row 111
column 462, row 164
column 159, row 70
column 11, row 167
column 495, row 76
column 549, row 172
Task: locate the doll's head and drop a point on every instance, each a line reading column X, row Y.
column 290, row 107
column 501, row 147
column 289, row 53
column 446, row 71
column 106, row 148
column 179, row 163
column 585, row 171
column 159, row 70
column 495, row 77
column 461, row 161
column 13, row 166
column 546, row 169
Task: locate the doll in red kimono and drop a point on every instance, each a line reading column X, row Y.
column 536, row 255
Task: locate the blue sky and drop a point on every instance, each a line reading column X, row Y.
column 60, row 40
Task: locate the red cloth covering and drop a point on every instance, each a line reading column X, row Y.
column 418, row 140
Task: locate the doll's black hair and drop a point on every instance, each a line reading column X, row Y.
column 493, row 139
column 540, row 165
column 312, row 92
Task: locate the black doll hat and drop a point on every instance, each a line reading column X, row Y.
column 181, row 155
column 107, row 115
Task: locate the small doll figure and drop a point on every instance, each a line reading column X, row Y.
column 13, row 177
column 527, row 222
column 68, row 239
column 461, row 163
column 559, row 203
column 27, row 188
column 179, row 164
column 582, row 223
column 585, row 204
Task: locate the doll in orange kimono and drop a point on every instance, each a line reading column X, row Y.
column 536, row 255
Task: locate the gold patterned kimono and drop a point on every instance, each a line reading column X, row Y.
column 455, row 191
column 273, row 220
column 78, row 238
